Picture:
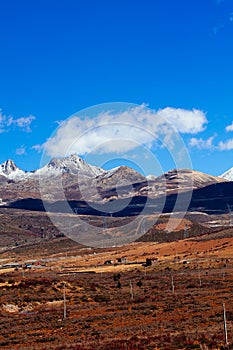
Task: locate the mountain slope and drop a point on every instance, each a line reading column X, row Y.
column 179, row 180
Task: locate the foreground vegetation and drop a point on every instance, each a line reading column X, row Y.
column 166, row 306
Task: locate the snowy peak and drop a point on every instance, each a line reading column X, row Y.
column 228, row 175
column 9, row 169
column 69, row 165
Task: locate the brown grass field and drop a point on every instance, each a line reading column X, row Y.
column 118, row 306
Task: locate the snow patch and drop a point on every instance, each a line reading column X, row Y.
column 228, row 175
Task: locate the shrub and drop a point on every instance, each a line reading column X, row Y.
column 101, row 298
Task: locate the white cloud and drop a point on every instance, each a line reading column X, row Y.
column 202, row 144
column 123, row 131
column 2, row 121
column 21, row 150
column 186, row 121
column 226, row 146
column 38, row 148
column 229, row 127
column 22, row 123
column 208, row 144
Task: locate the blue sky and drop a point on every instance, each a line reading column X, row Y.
column 61, row 56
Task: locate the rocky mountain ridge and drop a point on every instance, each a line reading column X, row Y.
column 75, row 165
column 72, row 165
column 80, row 181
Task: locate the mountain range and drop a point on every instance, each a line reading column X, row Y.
column 204, row 199
column 82, row 182
column 75, row 165
column 71, row 165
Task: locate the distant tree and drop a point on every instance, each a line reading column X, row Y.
column 116, row 276
column 118, row 284
column 139, row 283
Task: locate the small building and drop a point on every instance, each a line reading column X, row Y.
column 10, row 265
column 150, row 262
column 185, row 262
column 108, row 262
column 122, row 260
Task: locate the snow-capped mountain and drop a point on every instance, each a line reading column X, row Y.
column 10, row 170
column 70, row 165
column 81, row 180
column 228, row 175
column 74, row 165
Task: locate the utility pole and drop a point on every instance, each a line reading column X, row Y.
column 223, row 273
column 131, row 290
column 199, row 276
column 225, row 325
column 173, row 287
column 64, row 301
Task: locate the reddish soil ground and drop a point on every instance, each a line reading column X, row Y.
column 177, row 303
